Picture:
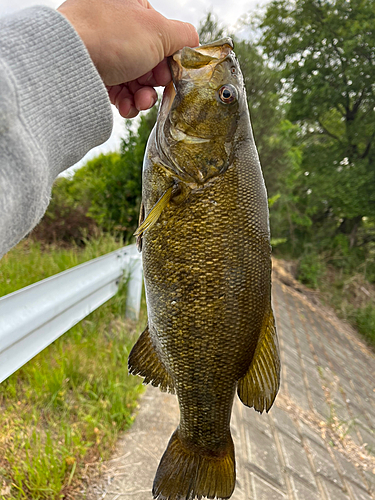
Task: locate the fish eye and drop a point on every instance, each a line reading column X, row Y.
column 227, row 94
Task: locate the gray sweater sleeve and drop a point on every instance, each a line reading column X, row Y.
column 53, row 109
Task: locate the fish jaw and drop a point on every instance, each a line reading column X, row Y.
column 195, row 131
column 198, row 58
column 166, row 103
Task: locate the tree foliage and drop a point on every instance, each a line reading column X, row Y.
column 267, row 114
column 114, row 182
column 210, row 30
column 326, row 51
column 104, row 193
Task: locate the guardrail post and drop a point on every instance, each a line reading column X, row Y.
column 134, row 291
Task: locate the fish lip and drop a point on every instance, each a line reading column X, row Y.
column 174, row 61
column 168, row 98
column 185, row 137
column 171, row 64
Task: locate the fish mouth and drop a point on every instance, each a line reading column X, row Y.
column 188, row 66
column 180, row 136
column 198, row 58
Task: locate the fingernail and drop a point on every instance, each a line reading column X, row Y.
column 152, row 102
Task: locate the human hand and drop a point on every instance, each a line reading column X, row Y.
column 129, row 42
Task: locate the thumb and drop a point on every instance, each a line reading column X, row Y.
column 177, row 35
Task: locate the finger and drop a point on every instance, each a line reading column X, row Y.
column 145, row 98
column 146, row 78
column 162, row 74
column 127, row 109
column 177, row 35
column 124, row 102
column 134, row 86
column 113, row 92
column 159, row 76
column 124, row 93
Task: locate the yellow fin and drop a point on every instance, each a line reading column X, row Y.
column 155, row 212
column 144, row 361
column 259, row 387
column 185, row 473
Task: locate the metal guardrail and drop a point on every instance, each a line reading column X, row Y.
column 35, row 316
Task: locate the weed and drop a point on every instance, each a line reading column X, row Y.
column 66, row 406
column 30, row 261
column 365, row 321
column 310, row 270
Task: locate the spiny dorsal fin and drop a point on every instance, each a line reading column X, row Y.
column 144, row 361
column 258, row 388
column 155, row 212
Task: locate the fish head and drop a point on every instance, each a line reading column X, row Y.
column 200, row 111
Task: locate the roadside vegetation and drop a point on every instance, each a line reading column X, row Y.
column 309, row 69
column 64, row 409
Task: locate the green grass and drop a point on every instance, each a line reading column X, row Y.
column 65, row 407
column 30, row 261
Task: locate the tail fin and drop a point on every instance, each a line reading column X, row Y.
column 185, row 474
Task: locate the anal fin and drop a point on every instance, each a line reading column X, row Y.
column 260, row 385
column 144, row 361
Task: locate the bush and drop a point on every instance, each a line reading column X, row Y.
column 310, row 269
column 365, row 321
column 66, row 220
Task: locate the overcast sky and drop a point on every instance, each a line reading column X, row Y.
column 193, row 11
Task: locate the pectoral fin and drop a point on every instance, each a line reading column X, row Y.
column 155, row 212
column 258, row 388
column 144, row 361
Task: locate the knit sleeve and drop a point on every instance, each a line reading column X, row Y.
column 54, row 108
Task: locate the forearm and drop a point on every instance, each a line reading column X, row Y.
column 53, row 109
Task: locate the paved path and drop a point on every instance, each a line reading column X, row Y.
column 318, row 441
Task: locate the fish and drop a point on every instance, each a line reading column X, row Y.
column 205, row 241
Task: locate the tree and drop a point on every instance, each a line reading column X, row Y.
column 267, row 114
column 274, row 136
column 115, row 187
column 106, row 192
column 326, row 50
column 209, row 29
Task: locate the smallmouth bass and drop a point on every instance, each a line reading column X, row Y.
column 204, row 235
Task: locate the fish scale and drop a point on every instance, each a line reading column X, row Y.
column 207, row 268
